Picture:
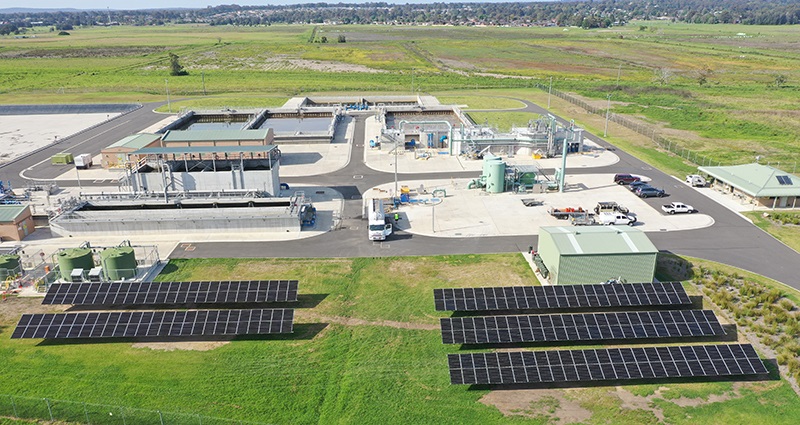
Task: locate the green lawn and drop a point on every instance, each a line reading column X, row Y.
column 786, row 233
column 366, row 350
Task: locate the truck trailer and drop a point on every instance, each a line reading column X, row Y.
column 378, row 227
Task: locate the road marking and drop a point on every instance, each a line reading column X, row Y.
column 22, row 173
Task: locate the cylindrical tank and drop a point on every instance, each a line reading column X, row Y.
column 489, row 159
column 495, row 180
column 9, row 265
column 118, row 263
column 74, row 258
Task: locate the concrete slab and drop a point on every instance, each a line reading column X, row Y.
column 475, row 213
column 439, row 160
column 21, row 134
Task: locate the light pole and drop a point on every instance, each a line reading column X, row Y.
column 549, row 92
column 608, row 108
column 169, row 105
column 395, row 168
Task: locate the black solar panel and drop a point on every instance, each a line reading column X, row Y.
column 155, row 323
column 526, row 367
column 150, row 293
column 560, row 297
column 784, row 180
column 580, row 327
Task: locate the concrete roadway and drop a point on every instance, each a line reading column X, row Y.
column 37, row 166
column 731, row 240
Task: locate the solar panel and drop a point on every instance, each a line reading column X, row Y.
column 613, row 364
column 784, row 180
column 155, row 323
column 580, row 327
column 561, row 297
column 150, row 293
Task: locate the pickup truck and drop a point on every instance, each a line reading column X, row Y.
column 678, row 207
column 611, row 218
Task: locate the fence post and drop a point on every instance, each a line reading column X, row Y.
column 160, row 417
column 49, row 410
column 86, row 413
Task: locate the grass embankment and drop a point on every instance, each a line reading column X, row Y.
column 218, row 102
column 366, row 350
column 787, row 231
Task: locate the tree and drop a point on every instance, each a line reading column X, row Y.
column 780, row 80
column 324, row 39
column 175, row 68
column 663, row 76
column 342, row 39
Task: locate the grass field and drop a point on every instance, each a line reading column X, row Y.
column 786, row 233
column 366, row 350
column 733, row 113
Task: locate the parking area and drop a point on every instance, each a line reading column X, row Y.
column 473, row 212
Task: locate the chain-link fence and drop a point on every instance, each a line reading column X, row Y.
column 101, row 414
column 652, row 133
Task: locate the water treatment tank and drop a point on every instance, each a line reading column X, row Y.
column 74, row 258
column 118, row 263
column 495, row 180
column 9, row 265
column 489, row 159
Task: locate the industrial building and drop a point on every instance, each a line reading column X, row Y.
column 118, row 154
column 756, row 184
column 16, row 222
column 596, row 254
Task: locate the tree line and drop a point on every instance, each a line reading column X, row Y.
column 586, row 14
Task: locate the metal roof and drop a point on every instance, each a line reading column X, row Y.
column 755, row 179
column 9, row 213
column 136, row 141
column 214, row 135
column 180, row 150
column 600, row 240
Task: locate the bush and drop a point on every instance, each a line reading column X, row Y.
column 63, row 33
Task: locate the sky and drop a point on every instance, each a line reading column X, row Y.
column 154, row 4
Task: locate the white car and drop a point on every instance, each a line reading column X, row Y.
column 696, row 180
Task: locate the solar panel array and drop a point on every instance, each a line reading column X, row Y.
column 532, row 367
column 784, row 180
column 155, row 293
column 155, row 323
column 580, row 327
column 561, row 297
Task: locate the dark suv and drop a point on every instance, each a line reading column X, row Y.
column 647, row 192
column 625, row 179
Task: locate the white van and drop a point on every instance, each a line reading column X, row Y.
column 695, row 180
column 609, row 218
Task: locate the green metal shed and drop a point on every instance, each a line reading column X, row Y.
column 596, row 254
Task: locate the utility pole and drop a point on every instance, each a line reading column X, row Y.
column 396, row 193
column 549, row 92
column 608, row 109
column 169, row 105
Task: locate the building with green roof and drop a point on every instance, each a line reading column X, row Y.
column 116, row 154
column 173, row 138
column 595, row 254
column 757, row 184
column 16, row 222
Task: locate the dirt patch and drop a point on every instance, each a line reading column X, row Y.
column 181, row 345
column 351, row 321
column 555, row 406
column 634, row 402
column 13, row 307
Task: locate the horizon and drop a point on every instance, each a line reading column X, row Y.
column 192, row 4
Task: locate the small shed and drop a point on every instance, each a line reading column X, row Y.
column 116, row 155
column 756, row 184
column 16, row 222
column 596, row 254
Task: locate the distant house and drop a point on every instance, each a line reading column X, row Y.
column 757, row 184
column 16, row 222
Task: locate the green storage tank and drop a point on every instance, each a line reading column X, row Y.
column 496, row 179
column 489, row 159
column 118, row 263
column 9, row 265
column 74, row 258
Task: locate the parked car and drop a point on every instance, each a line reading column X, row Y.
column 696, row 180
column 648, row 192
column 678, row 207
column 625, row 179
column 635, row 185
column 609, row 218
